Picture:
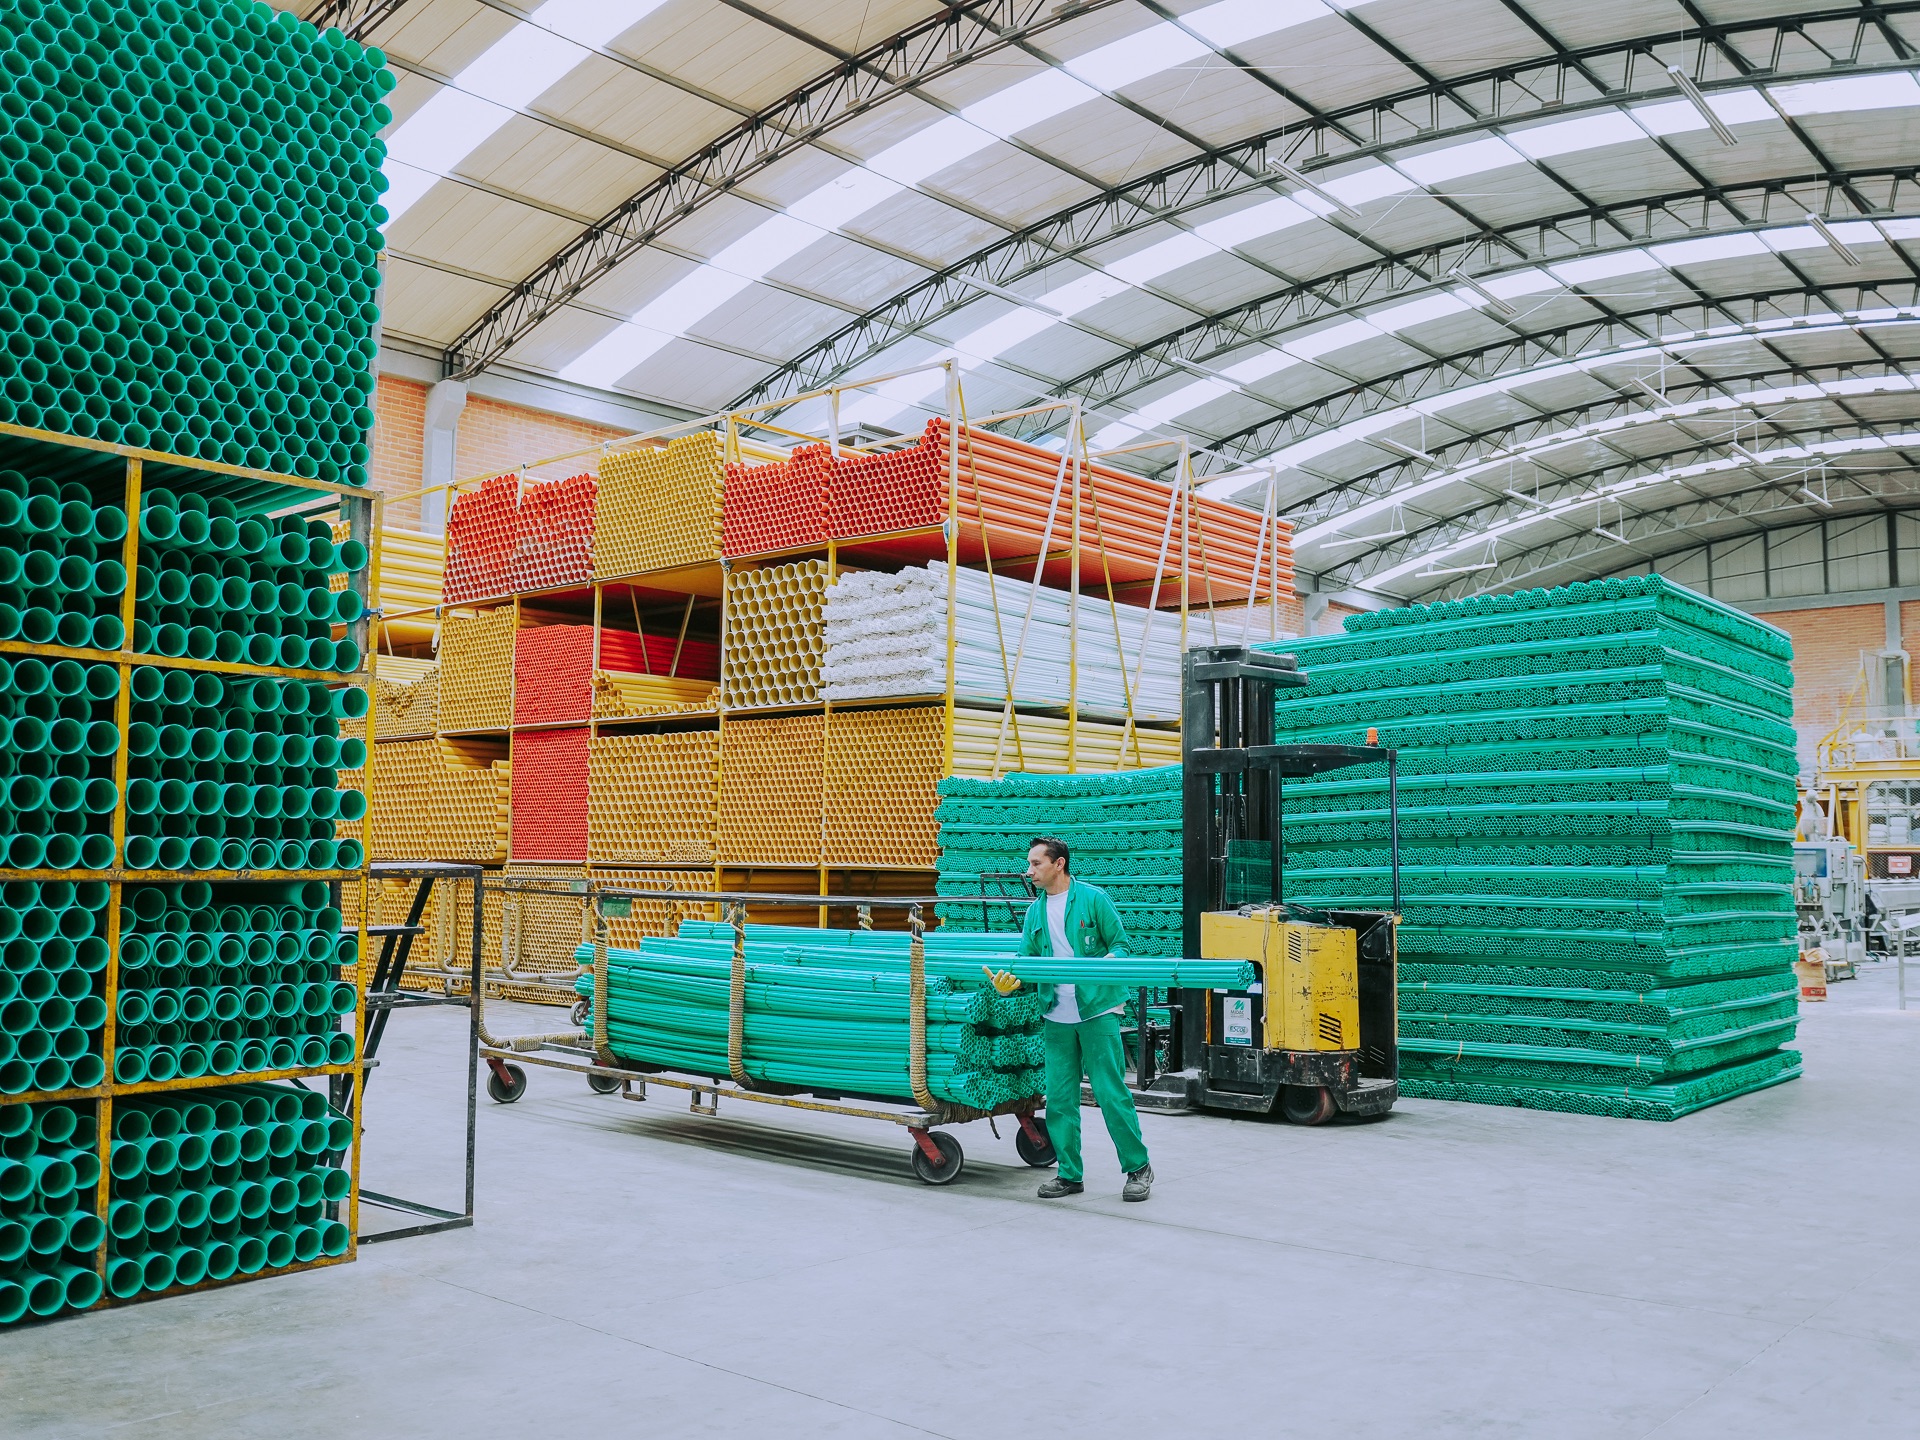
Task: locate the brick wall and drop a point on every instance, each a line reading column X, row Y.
column 399, row 437
column 495, row 438
column 1826, row 662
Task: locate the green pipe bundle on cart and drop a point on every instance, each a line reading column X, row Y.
column 1123, row 829
column 1597, row 793
column 830, row 1010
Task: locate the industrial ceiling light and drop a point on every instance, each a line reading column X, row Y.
column 1300, row 179
column 1697, row 99
column 1820, row 500
column 1493, row 301
column 1363, row 539
column 1647, row 390
column 1406, row 450
column 1834, row 242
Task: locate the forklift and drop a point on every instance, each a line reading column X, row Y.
column 1317, row 1034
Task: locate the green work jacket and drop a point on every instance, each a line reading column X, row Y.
column 1093, row 928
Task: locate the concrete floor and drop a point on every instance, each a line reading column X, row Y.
column 1454, row 1270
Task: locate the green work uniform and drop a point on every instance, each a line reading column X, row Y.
column 1091, row 1047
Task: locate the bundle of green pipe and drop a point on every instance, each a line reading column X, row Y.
column 230, row 979
column 57, row 745
column 1123, row 829
column 207, row 1184
column 214, row 584
column 1597, row 806
column 230, row 773
column 50, row 1236
column 188, row 230
column 60, row 573
column 827, row 1010
column 53, row 962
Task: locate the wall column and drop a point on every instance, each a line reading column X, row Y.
column 445, row 401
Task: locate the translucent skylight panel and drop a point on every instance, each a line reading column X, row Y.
column 1146, row 52
column 615, row 354
column 843, row 198
column 1708, row 248
column 927, row 152
column 1604, row 267
column 516, row 71
column 1267, row 218
column 1584, row 132
column 1233, row 22
column 1376, row 182
column 1335, row 337
column 1028, row 102
column 445, row 130
column 1473, row 158
column 1855, row 92
column 1678, row 117
column 1160, row 259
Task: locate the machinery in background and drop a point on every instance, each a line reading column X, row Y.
column 1866, row 793
column 1830, row 898
column 1317, row 1036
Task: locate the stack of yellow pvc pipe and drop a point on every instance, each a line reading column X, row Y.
column 774, row 635
column 620, row 694
column 476, row 671
column 650, row 798
column 411, row 565
column 882, row 767
column 659, row 506
column 984, row 746
column 769, row 809
column 654, row 917
column 406, row 697
column 434, row 800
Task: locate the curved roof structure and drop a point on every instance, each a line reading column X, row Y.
column 1493, row 293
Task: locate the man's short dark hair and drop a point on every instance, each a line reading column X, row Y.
column 1056, row 849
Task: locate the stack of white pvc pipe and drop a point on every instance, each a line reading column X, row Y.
column 887, row 635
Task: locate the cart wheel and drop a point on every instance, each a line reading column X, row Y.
column 509, row 1090
column 1307, row 1104
column 580, row 1011
column 603, row 1084
column 1035, row 1153
column 952, row 1160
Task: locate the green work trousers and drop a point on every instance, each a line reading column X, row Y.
column 1091, row 1048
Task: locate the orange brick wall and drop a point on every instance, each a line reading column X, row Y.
column 496, row 437
column 399, row 439
column 1826, row 661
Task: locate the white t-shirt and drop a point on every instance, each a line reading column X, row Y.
column 1066, row 1005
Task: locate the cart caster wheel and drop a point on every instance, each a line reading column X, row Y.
column 951, row 1159
column 1307, row 1104
column 603, row 1084
column 511, row 1088
column 1034, row 1152
column 579, row 1013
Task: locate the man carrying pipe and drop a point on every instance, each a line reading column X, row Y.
column 1073, row 919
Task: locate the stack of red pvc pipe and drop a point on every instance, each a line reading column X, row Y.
column 480, row 541
column 553, row 535
column 553, row 667
column 896, row 490
column 550, row 795
column 776, row 507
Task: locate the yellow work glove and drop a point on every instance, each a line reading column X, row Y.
column 1005, row 981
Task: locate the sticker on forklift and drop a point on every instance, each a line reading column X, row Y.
column 1236, row 1020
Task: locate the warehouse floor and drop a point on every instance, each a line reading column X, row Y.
column 1455, row 1270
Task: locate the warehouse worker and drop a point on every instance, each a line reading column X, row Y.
column 1072, row 918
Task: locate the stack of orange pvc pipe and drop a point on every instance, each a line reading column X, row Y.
column 553, row 535
column 480, row 540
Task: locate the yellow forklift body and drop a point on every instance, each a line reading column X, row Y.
column 1309, row 976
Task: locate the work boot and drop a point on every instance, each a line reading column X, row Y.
column 1138, row 1184
column 1056, row 1187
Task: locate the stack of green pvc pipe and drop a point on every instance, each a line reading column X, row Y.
column 230, row 773
column 214, row 584
column 189, row 230
column 207, row 1184
column 1597, row 807
column 230, row 979
column 1123, row 829
column 57, row 745
column 49, row 1234
column 828, row 1010
column 53, row 961
column 60, row 573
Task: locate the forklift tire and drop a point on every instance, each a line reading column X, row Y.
column 603, row 1084
column 1037, row 1155
column 509, row 1090
column 1307, row 1104
column 951, row 1157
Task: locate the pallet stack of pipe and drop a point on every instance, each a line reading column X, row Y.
column 769, row 806
column 777, row 506
column 553, row 535
column 476, row 671
column 555, row 682
column 990, row 743
column 480, row 540
column 651, row 798
column 439, row 799
column 413, row 570
column 1123, row 831
column 1597, row 811
column 887, row 635
column 406, row 698
column 882, row 770
column 660, row 506
column 774, row 635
